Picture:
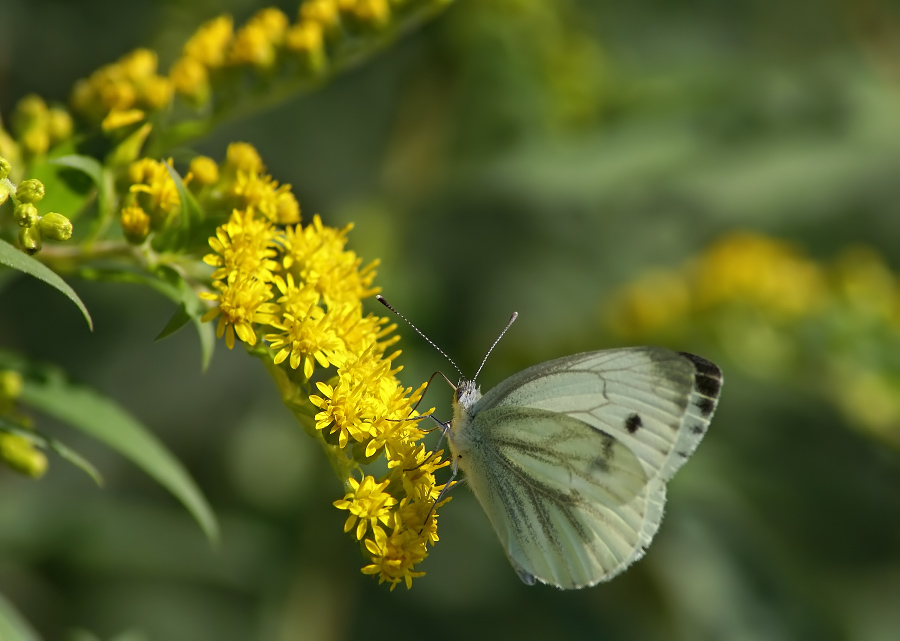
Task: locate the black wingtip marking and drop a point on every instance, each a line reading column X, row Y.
column 708, row 378
column 632, row 423
column 703, row 366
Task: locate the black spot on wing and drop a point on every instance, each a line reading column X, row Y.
column 697, row 429
column 632, row 423
column 706, row 406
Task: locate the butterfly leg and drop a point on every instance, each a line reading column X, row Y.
column 445, row 427
column 449, row 485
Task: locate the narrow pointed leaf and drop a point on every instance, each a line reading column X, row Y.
column 105, row 420
column 13, row 626
column 12, row 257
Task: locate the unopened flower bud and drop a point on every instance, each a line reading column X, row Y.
column 59, row 124
column 30, row 191
column 204, row 170
column 26, row 215
column 5, row 167
column 30, row 239
column 18, row 452
column 135, row 224
column 4, row 192
column 56, row 226
column 10, row 384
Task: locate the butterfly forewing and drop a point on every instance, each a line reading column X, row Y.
column 570, row 457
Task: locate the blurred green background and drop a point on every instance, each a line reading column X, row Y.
column 527, row 155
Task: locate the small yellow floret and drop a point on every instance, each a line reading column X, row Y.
column 210, row 43
column 204, row 170
column 190, row 78
column 135, row 224
column 122, row 118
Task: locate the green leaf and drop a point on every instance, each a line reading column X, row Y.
column 68, row 190
column 48, row 443
column 84, row 164
column 103, row 419
column 102, row 178
column 12, row 257
column 189, row 216
column 178, row 320
column 13, row 626
column 170, row 284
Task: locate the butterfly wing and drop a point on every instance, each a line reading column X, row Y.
column 569, row 458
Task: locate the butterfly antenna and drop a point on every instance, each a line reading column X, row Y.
column 419, row 332
column 512, row 319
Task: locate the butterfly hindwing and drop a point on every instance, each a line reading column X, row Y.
column 565, row 498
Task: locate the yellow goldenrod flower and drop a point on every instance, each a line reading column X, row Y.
column 11, row 385
column 121, row 118
column 59, row 125
column 241, row 305
column 155, row 190
column 138, row 65
column 26, row 214
column 368, row 503
column 252, row 45
column 316, row 254
column 307, row 339
column 204, row 170
column 30, row 239
column 273, row 22
column 242, row 157
column 263, row 193
column 394, row 555
column 135, row 224
column 30, row 191
column 307, row 40
column 157, row 92
column 18, row 452
column 245, row 247
column 131, row 82
column 210, row 43
column 190, row 78
column 372, row 14
column 323, row 12
column 296, row 298
column 418, row 466
column 749, row 267
column 56, row 226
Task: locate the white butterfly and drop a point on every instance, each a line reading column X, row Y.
column 570, row 458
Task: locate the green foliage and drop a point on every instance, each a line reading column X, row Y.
column 13, row 258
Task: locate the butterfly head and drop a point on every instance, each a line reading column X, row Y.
column 467, row 394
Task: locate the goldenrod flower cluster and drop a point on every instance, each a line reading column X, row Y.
column 216, row 55
column 37, row 127
column 131, row 83
column 296, row 291
column 780, row 314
